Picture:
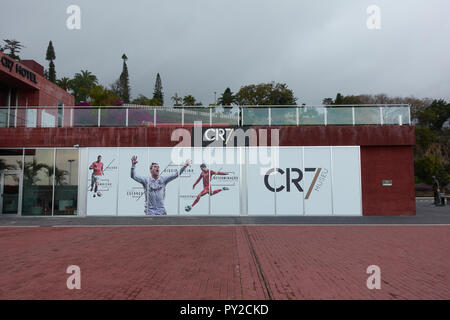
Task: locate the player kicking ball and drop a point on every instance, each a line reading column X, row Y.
column 206, row 175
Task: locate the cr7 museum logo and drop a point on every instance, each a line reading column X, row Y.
column 293, row 176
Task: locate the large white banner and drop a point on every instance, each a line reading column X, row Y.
column 313, row 181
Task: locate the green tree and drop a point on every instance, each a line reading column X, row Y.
column 435, row 115
column 177, row 100
column 50, row 56
column 428, row 166
column 327, row 101
column 265, row 94
column 81, row 84
column 227, row 98
column 63, row 83
column 144, row 101
column 101, row 96
column 157, row 92
column 424, row 138
column 189, row 100
column 124, row 81
column 340, row 99
column 14, row 47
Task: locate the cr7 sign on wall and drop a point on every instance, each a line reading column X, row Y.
column 308, row 181
column 295, row 181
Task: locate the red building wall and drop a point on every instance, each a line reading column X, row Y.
column 39, row 93
column 394, row 163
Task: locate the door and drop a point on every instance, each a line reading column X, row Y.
column 10, row 199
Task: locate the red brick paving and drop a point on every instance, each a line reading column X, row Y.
column 226, row 262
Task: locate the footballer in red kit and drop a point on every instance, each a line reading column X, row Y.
column 206, row 176
column 97, row 167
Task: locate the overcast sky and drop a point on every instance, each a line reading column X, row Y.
column 317, row 47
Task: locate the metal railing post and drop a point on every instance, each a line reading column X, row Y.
column 296, row 115
column 210, row 116
column 99, row 115
column 154, row 117
column 270, row 117
column 381, row 115
column 126, row 117
column 242, row 115
column 353, row 116
column 409, row 115
column 182, row 117
column 325, row 119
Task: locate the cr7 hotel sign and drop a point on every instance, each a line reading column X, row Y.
column 11, row 65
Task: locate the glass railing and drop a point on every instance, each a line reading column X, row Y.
column 147, row 116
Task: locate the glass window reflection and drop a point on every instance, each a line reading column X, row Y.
column 38, row 182
column 66, row 182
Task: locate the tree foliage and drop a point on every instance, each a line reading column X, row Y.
column 81, row 84
column 265, row 94
column 227, row 98
column 63, row 83
column 435, row 115
column 158, row 90
column 144, row 101
column 189, row 100
column 50, row 56
column 124, row 82
column 13, row 47
column 177, row 100
column 101, row 96
column 428, row 166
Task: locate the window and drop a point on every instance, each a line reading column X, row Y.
column 38, row 182
column 11, row 159
column 66, row 182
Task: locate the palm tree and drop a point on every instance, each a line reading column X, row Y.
column 87, row 77
column 177, row 100
column 189, row 100
column 81, row 84
column 64, row 83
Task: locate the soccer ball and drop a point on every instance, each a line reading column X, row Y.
column 99, row 193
